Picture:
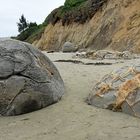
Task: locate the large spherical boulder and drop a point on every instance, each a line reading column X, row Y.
column 29, row 81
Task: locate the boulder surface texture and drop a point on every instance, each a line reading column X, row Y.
column 29, row 81
column 119, row 91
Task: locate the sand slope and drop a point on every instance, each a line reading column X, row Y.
column 72, row 118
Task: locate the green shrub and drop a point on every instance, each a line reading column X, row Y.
column 36, row 35
column 32, row 33
column 73, row 3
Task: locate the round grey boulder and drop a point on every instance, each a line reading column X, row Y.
column 29, row 81
column 69, row 47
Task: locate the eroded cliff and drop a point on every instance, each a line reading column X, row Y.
column 115, row 25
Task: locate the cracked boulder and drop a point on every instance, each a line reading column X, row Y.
column 29, row 81
column 119, row 91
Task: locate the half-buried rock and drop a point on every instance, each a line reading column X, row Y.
column 29, row 81
column 119, row 91
column 69, row 47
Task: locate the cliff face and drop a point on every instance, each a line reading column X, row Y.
column 116, row 26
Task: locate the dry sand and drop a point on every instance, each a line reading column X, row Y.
column 72, row 118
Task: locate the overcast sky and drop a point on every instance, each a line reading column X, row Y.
column 33, row 10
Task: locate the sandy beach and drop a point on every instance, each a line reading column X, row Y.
column 72, row 118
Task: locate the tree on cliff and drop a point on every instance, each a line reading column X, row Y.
column 23, row 24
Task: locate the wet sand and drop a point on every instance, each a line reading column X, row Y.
column 72, row 118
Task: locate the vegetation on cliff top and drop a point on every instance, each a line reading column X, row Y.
column 78, row 11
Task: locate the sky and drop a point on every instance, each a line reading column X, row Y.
column 33, row 10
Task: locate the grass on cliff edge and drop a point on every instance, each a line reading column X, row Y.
column 69, row 4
